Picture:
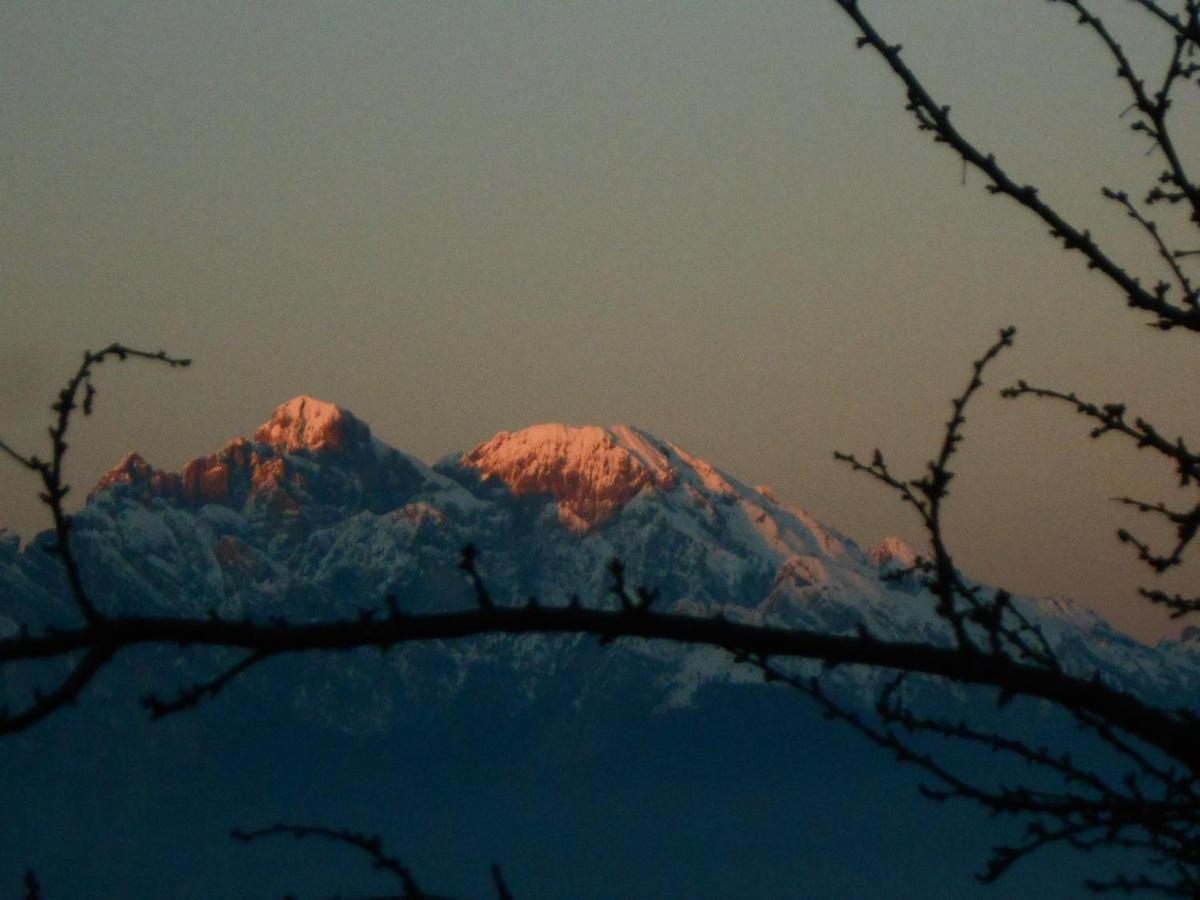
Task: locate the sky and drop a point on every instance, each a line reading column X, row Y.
column 712, row 220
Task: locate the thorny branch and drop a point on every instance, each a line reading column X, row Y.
column 934, row 117
column 1152, row 108
column 51, row 473
column 1112, row 419
column 1164, row 821
column 1174, row 733
column 959, row 604
column 1091, row 813
column 369, row 844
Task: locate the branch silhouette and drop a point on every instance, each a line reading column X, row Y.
column 51, row 472
column 934, row 117
column 372, row 846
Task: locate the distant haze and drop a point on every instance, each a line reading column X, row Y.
column 711, row 220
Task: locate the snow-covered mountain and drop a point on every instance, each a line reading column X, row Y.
column 653, row 756
column 314, row 515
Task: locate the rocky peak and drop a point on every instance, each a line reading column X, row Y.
column 800, row 572
column 590, row 471
column 894, row 552
column 134, row 470
column 310, row 458
column 305, row 423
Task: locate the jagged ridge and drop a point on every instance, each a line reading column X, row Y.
column 315, row 513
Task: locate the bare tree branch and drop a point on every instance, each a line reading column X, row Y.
column 1176, row 736
column 1112, row 420
column 193, row 695
column 51, row 472
column 370, row 844
column 1152, row 108
column 66, row 694
column 934, row 117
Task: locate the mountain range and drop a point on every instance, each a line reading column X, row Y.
column 312, row 516
column 313, row 513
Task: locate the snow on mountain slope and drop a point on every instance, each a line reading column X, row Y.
column 315, row 515
column 307, row 424
column 590, row 472
column 309, row 459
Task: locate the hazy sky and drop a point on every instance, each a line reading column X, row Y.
column 711, row 220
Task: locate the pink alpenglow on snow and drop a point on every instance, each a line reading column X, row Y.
column 591, row 472
column 239, row 470
column 893, row 550
column 304, row 423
